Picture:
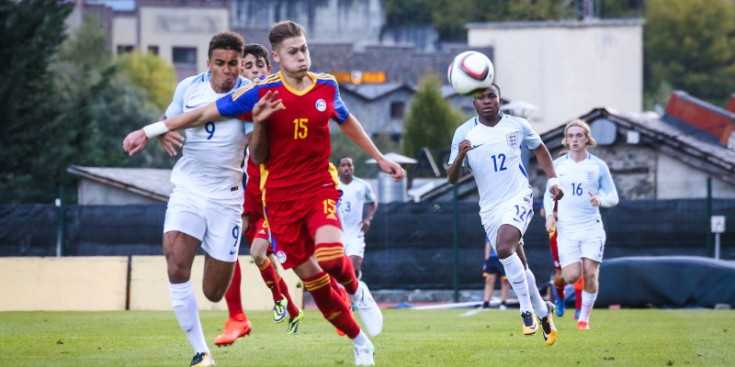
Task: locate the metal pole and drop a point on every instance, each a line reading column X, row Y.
column 717, row 246
column 59, row 219
column 455, row 243
column 60, row 223
column 709, row 215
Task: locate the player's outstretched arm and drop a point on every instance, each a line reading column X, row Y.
column 137, row 140
column 262, row 111
column 170, row 140
column 544, row 160
column 353, row 129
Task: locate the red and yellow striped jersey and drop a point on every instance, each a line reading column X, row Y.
column 298, row 136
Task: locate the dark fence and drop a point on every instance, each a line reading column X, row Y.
column 409, row 246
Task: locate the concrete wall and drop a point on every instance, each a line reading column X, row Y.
column 676, row 180
column 94, row 193
column 375, row 115
column 356, row 22
column 100, row 284
column 124, row 32
column 168, row 27
column 566, row 68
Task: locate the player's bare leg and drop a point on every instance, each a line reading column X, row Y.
column 237, row 324
column 258, row 251
column 180, row 250
column 573, row 274
column 589, row 293
column 357, row 265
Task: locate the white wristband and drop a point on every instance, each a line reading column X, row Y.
column 554, row 181
column 155, row 129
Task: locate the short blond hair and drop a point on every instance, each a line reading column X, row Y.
column 587, row 131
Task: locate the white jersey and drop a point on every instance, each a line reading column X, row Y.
column 212, row 159
column 459, row 135
column 578, row 180
column 495, row 159
column 354, row 196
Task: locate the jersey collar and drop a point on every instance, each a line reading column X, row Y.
column 294, row 91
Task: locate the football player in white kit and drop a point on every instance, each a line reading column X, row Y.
column 581, row 236
column 355, row 193
column 205, row 206
column 492, row 150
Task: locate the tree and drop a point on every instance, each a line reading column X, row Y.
column 31, row 33
column 152, row 74
column 70, row 107
column 431, row 120
column 690, row 44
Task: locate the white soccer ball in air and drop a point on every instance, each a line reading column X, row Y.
column 470, row 71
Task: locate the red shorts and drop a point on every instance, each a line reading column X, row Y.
column 554, row 250
column 257, row 229
column 293, row 225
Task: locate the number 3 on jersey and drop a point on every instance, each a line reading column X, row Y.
column 300, row 130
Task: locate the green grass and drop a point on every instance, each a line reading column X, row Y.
column 442, row 338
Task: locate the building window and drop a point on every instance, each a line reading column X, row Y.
column 397, row 110
column 153, row 50
column 185, row 55
column 123, row 49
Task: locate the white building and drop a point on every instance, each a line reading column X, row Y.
column 566, row 68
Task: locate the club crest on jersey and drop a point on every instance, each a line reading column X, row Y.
column 513, row 139
column 321, row 105
column 590, row 176
column 281, row 256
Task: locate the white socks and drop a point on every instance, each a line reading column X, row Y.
column 360, row 339
column 516, row 274
column 588, row 301
column 187, row 312
column 538, row 303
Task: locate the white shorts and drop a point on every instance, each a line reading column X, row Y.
column 576, row 244
column 355, row 246
column 516, row 211
column 216, row 223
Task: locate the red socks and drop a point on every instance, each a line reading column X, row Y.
column 232, row 296
column 268, row 272
column 331, row 257
column 330, row 303
column 293, row 310
column 559, row 285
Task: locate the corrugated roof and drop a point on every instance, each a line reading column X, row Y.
column 149, row 182
column 373, row 91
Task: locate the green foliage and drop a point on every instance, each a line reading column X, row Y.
column 151, row 73
column 528, row 10
column 691, row 45
column 402, row 12
column 342, row 146
column 31, row 33
column 449, row 17
column 431, row 120
column 58, row 109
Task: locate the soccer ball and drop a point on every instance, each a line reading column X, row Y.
column 470, row 71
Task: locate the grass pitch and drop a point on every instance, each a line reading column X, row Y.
column 444, row 338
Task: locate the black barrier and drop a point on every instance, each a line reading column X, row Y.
column 409, row 245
